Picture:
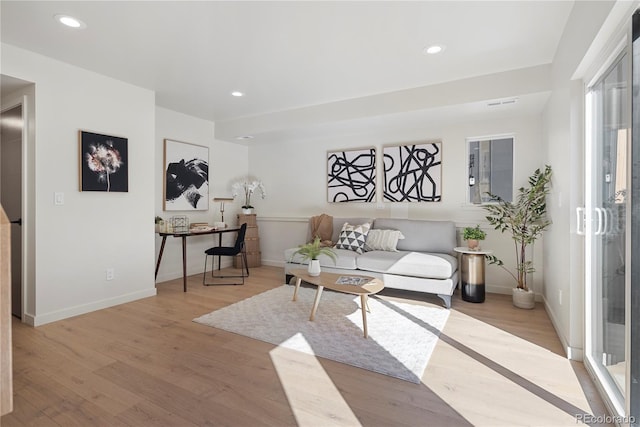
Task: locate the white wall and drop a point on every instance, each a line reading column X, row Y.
column 76, row 242
column 227, row 162
column 294, row 174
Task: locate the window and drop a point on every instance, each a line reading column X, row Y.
column 490, row 168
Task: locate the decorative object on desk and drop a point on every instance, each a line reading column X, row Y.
column 525, row 219
column 311, row 251
column 473, row 235
column 103, row 163
column 246, row 188
column 179, row 224
column 199, row 227
column 221, row 200
column 159, row 224
column 351, row 176
column 186, row 176
column 403, row 336
column 412, row 173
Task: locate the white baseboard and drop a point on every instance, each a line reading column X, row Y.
column 29, row 319
column 572, row 353
column 273, row 263
column 53, row 316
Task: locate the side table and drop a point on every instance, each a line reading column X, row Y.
column 472, row 267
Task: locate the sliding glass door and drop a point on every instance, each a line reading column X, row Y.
column 607, row 177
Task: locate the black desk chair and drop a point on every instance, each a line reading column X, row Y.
column 236, row 249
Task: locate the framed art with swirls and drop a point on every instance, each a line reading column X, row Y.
column 104, row 163
column 413, row 173
column 351, row 176
column 186, row 176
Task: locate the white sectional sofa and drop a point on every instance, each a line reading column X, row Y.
column 424, row 261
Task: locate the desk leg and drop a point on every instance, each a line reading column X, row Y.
column 164, row 240
column 219, row 244
column 184, row 263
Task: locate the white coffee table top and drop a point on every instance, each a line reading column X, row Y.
column 466, row 250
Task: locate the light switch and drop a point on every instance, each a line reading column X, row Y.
column 58, row 198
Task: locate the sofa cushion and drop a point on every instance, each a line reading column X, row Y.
column 383, row 240
column 422, row 235
column 345, row 259
column 417, row 264
column 352, row 237
column 339, row 222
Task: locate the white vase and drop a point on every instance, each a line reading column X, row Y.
column 524, row 299
column 247, row 211
column 314, row 267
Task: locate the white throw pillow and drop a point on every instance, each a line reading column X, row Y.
column 352, row 237
column 383, row 240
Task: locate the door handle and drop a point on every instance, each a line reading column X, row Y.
column 17, row 221
column 580, row 220
column 599, row 230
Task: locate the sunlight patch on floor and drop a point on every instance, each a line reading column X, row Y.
column 312, row 395
column 501, row 379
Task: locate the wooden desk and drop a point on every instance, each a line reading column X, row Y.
column 183, row 236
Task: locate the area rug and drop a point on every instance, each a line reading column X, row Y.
column 402, row 336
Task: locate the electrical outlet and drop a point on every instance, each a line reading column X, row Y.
column 109, row 273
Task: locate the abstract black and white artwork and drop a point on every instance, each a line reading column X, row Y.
column 103, row 163
column 186, row 176
column 351, row 176
column 412, row 173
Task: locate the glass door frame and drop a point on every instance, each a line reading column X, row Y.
column 617, row 402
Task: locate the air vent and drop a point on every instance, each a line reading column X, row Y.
column 502, row 102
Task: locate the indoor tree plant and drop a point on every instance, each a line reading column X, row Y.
column 312, row 251
column 473, row 235
column 525, row 219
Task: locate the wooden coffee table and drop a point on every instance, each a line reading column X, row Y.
column 328, row 280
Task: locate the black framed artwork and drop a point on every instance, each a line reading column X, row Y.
column 412, row 173
column 351, row 176
column 186, row 176
column 104, row 163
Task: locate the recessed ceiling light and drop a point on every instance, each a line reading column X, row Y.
column 70, row 21
column 244, row 137
column 433, row 49
column 237, row 93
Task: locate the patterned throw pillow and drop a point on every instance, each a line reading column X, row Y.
column 383, row 240
column 353, row 237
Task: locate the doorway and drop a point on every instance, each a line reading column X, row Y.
column 11, row 130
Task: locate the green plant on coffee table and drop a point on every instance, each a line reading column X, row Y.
column 525, row 219
column 314, row 249
column 473, row 233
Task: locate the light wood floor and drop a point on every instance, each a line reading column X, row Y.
column 146, row 363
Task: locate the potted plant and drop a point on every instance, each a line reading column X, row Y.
column 312, row 251
column 247, row 189
column 473, row 235
column 525, row 219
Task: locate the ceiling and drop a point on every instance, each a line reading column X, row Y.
column 292, row 56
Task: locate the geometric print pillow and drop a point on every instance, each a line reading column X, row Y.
column 353, row 237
